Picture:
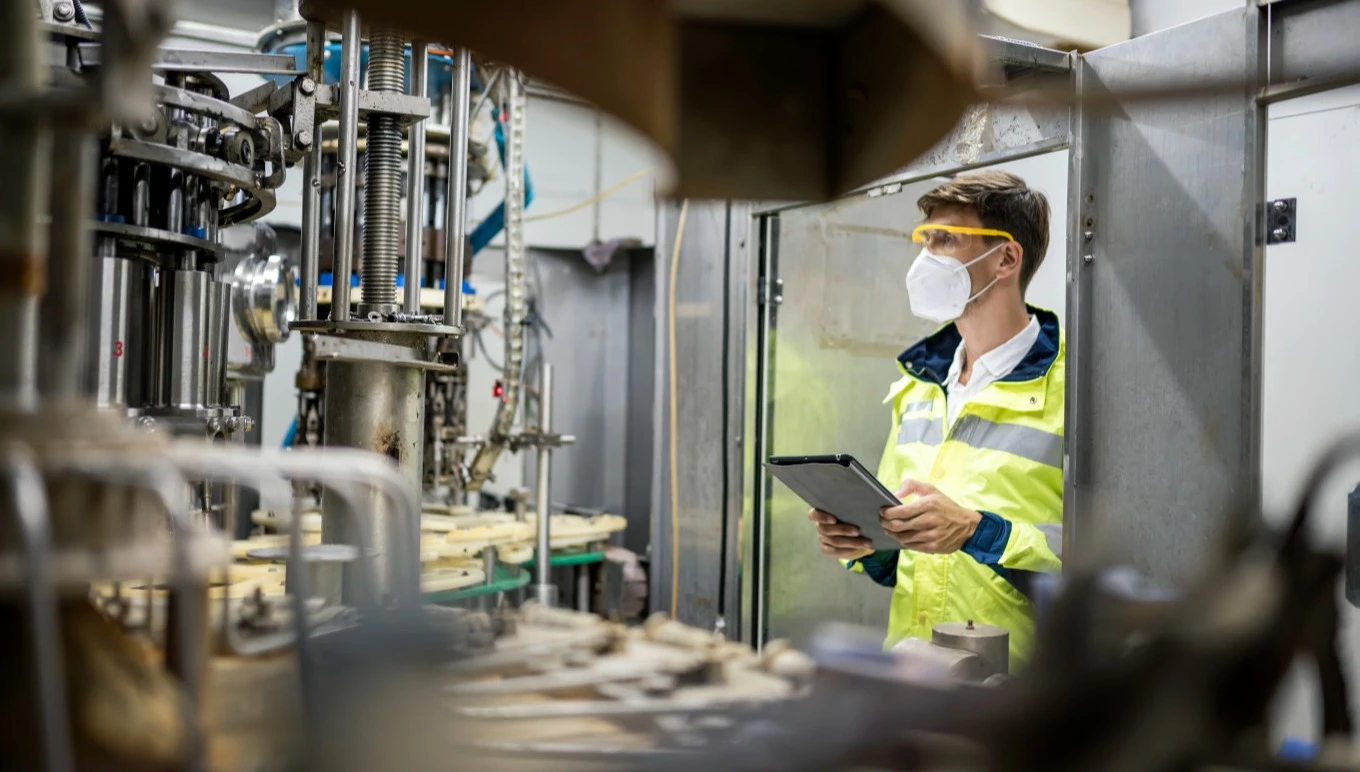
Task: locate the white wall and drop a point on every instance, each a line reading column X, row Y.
column 1311, row 362
column 1153, row 15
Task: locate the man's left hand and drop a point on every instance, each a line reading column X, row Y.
column 930, row 522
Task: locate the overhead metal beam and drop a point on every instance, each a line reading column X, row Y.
column 1311, row 47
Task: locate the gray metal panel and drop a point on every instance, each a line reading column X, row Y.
column 588, row 312
column 987, row 134
column 702, row 439
column 1165, row 400
column 1313, row 42
column 741, row 247
column 642, row 359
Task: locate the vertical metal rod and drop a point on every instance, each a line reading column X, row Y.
column 583, row 588
column 455, row 220
column 310, row 269
column 545, row 592
column 346, row 173
column 415, row 182
column 65, row 308
column 24, row 169
column 382, row 177
column 28, row 497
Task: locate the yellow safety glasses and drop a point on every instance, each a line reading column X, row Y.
column 954, row 240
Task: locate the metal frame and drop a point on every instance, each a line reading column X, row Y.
column 1294, row 48
column 988, row 134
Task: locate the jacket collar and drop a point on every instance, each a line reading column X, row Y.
column 929, row 359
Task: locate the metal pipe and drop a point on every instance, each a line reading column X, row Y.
column 455, row 220
column 347, row 143
column 415, row 183
column 65, row 307
column 544, row 591
column 489, row 87
column 24, row 169
column 28, row 497
column 378, row 408
column 310, row 268
column 382, row 177
column 479, row 470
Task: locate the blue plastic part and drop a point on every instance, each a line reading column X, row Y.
column 290, row 436
column 112, row 217
column 441, row 67
column 1298, row 749
column 468, row 289
column 326, row 280
column 197, row 232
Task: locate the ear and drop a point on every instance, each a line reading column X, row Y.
column 1009, row 265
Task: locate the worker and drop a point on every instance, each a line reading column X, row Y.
column 976, row 448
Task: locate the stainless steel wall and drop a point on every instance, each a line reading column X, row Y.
column 1163, row 345
column 701, row 586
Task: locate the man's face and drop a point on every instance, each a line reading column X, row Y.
column 964, row 248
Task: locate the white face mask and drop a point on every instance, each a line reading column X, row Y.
column 938, row 286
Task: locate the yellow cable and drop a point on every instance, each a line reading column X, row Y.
column 674, row 400
column 592, row 200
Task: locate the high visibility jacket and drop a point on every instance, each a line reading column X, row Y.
column 1002, row 456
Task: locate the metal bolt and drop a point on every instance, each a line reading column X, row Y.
column 1088, row 235
column 63, row 11
column 1280, row 234
column 303, row 138
column 147, row 422
column 1088, row 258
column 307, row 86
column 1279, row 206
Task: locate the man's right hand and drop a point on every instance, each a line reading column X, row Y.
column 839, row 540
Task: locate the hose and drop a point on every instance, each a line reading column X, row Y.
column 290, row 436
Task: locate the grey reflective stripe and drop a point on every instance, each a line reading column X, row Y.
column 916, row 407
column 929, row 431
column 1053, row 535
column 1036, row 445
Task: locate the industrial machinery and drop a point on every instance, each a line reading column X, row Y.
column 141, row 640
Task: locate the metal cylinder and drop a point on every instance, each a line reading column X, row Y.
column 309, row 270
column 381, row 408
column 415, row 183
column 347, row 146
column 220, row 321
column 189, row 331
column 987, row 641
column 65, row 307
column 117, row 351
column 544, row 590
column 455, row 220
column 382, row 181
column 24, row 170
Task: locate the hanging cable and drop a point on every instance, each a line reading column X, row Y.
column 674, row 409
column 595, row 199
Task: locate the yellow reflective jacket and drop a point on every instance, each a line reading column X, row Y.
column 1003, row 457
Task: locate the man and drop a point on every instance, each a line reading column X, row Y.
column 976, row 449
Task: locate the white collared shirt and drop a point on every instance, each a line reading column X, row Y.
column 989, row 368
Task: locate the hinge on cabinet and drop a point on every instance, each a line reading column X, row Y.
column 764, row 295
column 1281, row 217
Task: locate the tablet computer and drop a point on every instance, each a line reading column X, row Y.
column 840, row 486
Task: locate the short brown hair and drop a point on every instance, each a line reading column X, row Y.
column 1002, row 201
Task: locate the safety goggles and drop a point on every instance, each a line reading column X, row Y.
column 954, row 240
